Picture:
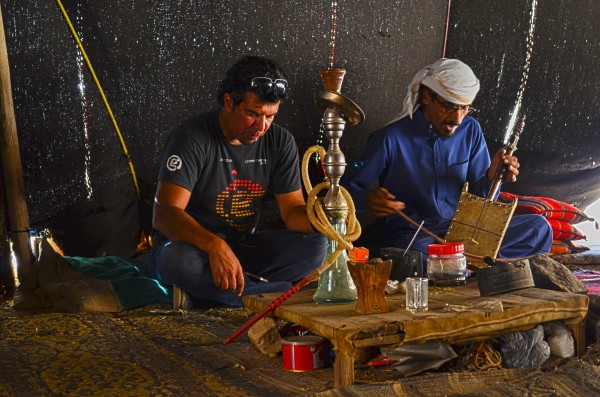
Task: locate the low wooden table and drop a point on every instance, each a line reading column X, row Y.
column 456, row 316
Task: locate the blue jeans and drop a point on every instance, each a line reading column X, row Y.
column 280, row 256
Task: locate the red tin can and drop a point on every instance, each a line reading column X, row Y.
column 303, row 353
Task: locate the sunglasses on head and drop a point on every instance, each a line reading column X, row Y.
column 265, row 83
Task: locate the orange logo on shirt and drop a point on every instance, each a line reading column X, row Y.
column 237, row 203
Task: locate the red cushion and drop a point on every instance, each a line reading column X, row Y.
column 547, row 207
column 565, row 231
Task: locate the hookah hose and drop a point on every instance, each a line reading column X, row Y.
column 320, row 221
column 316, row 213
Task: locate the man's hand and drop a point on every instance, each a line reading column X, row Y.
column 382, row 203
column 171, row 220
column 502, row 159
column 226, row 268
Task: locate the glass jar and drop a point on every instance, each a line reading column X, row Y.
column 336, row 284
column 446, row 264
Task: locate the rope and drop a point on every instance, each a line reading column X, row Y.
column 109, row 110
column 317, row 215
column 479, row 357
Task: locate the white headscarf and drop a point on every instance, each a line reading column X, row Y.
column 451, row 79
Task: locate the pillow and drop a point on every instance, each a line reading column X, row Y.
column 547, row 207
column 562, row 247
column 565, row 231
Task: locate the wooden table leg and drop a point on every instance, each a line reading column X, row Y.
column 343, row 368
column 578, row 331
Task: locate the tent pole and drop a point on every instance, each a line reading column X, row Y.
column 11, row 165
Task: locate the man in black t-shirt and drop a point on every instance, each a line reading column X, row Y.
column 215, row 173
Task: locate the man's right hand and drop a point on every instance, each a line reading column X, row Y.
column 170, row 218
column 226, row 268
column 382, row 203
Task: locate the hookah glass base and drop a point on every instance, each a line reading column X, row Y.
column 335, row 284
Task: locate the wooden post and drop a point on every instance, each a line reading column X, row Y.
column 11, row 165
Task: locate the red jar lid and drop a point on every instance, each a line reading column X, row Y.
column 445, row 249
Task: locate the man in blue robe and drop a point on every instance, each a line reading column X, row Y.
column 419, row 163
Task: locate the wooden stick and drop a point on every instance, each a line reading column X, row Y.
column 11, row 167
column 424, row 229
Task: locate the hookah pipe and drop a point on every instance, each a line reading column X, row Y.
column 338, row 110
column 325, row 228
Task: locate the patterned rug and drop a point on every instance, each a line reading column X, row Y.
column 151, row 351
column 155, row 351
column 591, row 280
column 50, row 354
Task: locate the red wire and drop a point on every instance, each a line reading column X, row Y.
column 274, row 305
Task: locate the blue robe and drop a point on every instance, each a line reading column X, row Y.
column 427, row 172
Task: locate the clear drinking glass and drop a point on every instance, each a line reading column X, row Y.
column 417, row 294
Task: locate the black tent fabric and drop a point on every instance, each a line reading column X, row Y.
column 160, row 62
column 537, row 59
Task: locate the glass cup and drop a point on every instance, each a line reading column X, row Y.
column 417, row 299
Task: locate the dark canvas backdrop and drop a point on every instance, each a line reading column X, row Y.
column 559, row 148
column 161, row 61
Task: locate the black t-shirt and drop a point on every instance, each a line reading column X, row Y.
column 228, row 182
